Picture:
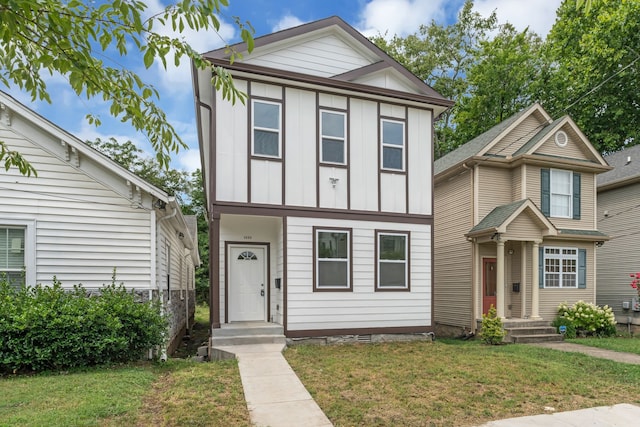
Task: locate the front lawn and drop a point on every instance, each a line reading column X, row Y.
column 454, row 382
column 176, row 393
column 624, row 344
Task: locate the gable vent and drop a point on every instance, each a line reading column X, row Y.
column 561, row 138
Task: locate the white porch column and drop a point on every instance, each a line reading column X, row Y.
column 523, row 279
column 535, row 282
column 500, row 279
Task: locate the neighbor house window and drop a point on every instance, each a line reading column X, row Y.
column 392, row 145
column 12, row 254
column 332, row 259
column 392, row 260
column 561, row 183
column 332, row 137
column 560, row 193
column 560, row 267
column 266, row 129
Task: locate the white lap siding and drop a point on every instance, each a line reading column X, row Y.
column 363, row 307
column 83, row 229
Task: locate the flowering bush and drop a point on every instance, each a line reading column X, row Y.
column 587, row 318
column 635, row 284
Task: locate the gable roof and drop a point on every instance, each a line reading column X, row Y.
column 501, row 216
column 482, row 144
column 626, row 168
column 370, row 59
column 479, row 143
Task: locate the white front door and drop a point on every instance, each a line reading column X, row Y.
column 247, row 283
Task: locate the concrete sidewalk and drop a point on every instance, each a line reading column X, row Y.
column 274, row 394
column 603, row 416
column 616, row 356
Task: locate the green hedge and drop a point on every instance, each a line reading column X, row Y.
column 50, row 328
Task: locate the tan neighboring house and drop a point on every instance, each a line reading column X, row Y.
column 515, row 222
column 618, row 208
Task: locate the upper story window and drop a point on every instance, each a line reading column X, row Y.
column 560, row 193
column 393, row 261
column 12, row 254
column 332, row 259
column 392, row 145
column 266, row 129
column 332, row 137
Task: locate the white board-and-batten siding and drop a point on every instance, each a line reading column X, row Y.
column 82, row 230
column 362, row 307
column 358, row 185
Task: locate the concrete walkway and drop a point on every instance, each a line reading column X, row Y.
column 616, row 356
column 274, row 394
column 277, row 398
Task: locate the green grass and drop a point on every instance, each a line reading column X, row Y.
column 176, row 393
column 454, row 382
column 624, row 344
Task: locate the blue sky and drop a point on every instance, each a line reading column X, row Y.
column 370, row 17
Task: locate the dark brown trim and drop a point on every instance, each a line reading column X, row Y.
column 376, row 286
column 362, row 71
column 308, row 212
column 283, row 145
column 317, row 149
column 267, row 158
column 431, row 210
column 214, row 265
column 285, row 269
column 379, row 150
column 406, row 158
column 348, row 152
column 330, row 83
column 249, row 138
column 349, row 232
column 333, row 165
column 267, row 246
column 359, row 331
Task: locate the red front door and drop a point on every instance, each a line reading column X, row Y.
column 489, row 279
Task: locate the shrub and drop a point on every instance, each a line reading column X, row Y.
column 587, row 319
column 562, row 321
column 49, row 328
column 492, row 331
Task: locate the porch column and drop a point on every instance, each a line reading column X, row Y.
column 523, row 279
column 535, row 281
column 500, row 279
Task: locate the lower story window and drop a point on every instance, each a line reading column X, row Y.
column 332, row 259
column 560, row 267
column 12, row 254
column 393, row 260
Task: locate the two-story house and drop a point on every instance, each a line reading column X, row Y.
column 319, row 186
column 515, row 222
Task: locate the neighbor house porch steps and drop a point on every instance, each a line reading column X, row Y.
column 523, row 331
column 243, row 333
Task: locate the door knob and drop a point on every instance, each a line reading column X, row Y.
column 261, row 292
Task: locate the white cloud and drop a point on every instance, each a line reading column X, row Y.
column 539, row 16
column 188, row 160
column 287, row 21
column 398, row 17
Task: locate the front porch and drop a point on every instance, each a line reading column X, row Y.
column 243, row 333
column 523, row 331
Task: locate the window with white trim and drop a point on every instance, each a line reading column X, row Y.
column 333, row 258
column 392, row 145
column 561, row 186
column 393, row 256
column 333, row 140
column 266, row 129
column 12, row 254
column 560, row 267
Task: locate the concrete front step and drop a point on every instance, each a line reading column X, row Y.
column 523, row 323
column 527, row 339
column 541, row 330
column 247, row 339
column 247, row 329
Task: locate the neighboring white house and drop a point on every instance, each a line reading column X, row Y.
column 84, row 216
column 319, row 186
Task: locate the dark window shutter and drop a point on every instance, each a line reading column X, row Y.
column 545, row 191
column 582, row 268
column 541, row 267
column 576, row 195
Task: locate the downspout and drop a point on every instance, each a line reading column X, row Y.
column 163, row 349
